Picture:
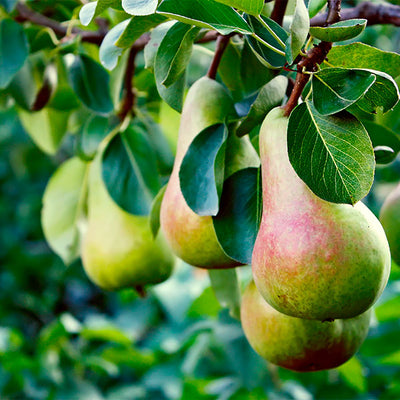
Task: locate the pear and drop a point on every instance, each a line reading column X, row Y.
column 299, row 344
column 390, row 219
column 119, row 250
column 192, row 237
column 313, row 259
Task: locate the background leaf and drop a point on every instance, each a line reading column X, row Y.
column 205, row 14
column 319, row 152
column 130, row 171
column 237, row 222
column 63, row 203
column 14, row 50
column 343, row 30
column 202, row 170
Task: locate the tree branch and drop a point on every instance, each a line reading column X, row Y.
column 129, row 92
column 374, row 13
column 333, row 15
column 279, row 10
column 221, row 45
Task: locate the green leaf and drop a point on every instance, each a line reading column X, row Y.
column 95, row 8
column 63, row 204
column 173, row 94
column 139, row 7
column 298, row 31
column 46, row 127
column 226, row 287
column 383, row 93
column 14, row 50
column 315, row 6
column 238, row 220
column 352, row 374
column 388, row 311
column 130, row 171
column 8, row 4
column 335, row 89
column 268, row 57
column 177, row 51
column 202, row 170
column 271, row 95
column 332, row 154
column 252, row 7
column 205, row 14
column 109, row 51
column 155, row 211
column 360, row 55
column 204, row 305
column 90, row 82
column 382, row 139
column 137, row 27
column 94, row 131
column 343, row 30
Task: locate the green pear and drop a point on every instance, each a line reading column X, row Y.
column 192, row 237
column 299, row 344
column 119, row 250
column 390, row 219
column 313, row 259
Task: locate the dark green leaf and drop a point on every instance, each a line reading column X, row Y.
column 266, row 55
column 335, row 89
column 252, row 7
column 14, row 50
column 109, row 51
column 155, row 211
column 352, row 373
column 226, row 287
column 360, row 55
column 94, row 131
column 205, row 14
column 271, row 95
column 63, row 203
column 339, row 31
column 130, row 171
column 8, row 4
column 383, row 93
column 139, row 7
column 332, row 154
column 315, row 6
column 172, row 95
column 384, row 154
column 298, row 31
column 90, row 82
column 202, row 170
column 237, row 222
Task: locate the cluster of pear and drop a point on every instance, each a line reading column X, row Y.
column 318, row 267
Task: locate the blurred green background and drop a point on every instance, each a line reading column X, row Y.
column 63, row 338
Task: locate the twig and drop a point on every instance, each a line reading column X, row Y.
column 129, row 93
column 279, row 10
column 314, row 57
column 221, row 45
column 374, row 13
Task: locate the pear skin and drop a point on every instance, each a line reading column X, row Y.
column 313, row 259
column 390, row 219
column 119, row 250
column 301, row 345
column 192, row 237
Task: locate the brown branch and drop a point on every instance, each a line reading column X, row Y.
column 333, row 15
column 374, row 13
column 129, row 91
column 221, row 45
column 279, row 10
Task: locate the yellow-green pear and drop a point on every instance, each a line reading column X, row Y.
column 390, row 219
column 119, row 250
column 192, row 237
column 299, row 344
column 312, row 258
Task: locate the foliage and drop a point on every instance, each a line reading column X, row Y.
column 68, row 89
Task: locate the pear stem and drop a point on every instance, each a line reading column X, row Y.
column 220, row 47
column 141, row 291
